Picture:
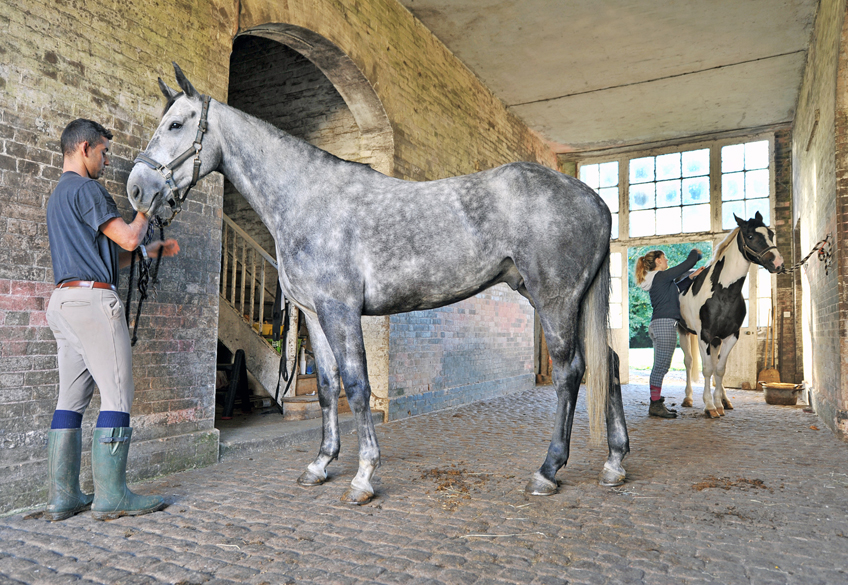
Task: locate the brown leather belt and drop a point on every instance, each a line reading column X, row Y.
column 87, row 284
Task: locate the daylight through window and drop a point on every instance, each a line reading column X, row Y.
column 670, row 193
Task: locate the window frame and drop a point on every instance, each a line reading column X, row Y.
column 624, row 157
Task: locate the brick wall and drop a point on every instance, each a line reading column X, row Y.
column 819, row 164
column 476, row 349
column 59, row 62
column 787, row 354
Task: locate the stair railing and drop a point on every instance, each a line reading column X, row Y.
column 246, row 269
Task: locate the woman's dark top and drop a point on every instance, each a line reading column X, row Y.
column 664, row 293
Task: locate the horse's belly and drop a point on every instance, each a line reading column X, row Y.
column 401, row 295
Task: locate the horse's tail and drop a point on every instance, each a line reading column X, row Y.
column 594, row 324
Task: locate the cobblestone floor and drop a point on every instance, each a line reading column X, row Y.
column 759, row 496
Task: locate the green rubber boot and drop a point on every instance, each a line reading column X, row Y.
column 64, row 450
column 112, row 497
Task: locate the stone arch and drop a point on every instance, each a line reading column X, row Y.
column 377, row 138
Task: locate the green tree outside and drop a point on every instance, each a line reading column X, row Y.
column 639, row 300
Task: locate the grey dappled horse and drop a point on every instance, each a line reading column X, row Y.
column 713, row 311
column 351, row 242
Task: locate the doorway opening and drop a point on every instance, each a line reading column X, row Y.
column 640, row 348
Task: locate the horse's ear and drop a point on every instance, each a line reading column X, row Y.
column 758, row 216
column 740, row 222
column 184, row 83
column 167, row 91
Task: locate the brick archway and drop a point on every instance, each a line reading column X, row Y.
column 377, row 138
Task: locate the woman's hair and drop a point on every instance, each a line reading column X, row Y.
column 647, row 263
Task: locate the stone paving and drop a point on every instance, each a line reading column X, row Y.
column 758, row 496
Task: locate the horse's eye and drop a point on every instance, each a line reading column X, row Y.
column 750, row 236
column 175, row 126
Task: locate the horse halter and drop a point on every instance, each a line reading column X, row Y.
column 746, row 250
column 167, row 170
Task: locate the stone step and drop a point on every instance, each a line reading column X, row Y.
column 306, row 407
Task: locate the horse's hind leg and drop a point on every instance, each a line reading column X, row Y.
column 328, row 398
column 568, row 368
column 613, row 473
column 342, row 327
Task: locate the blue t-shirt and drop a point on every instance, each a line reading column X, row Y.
column 77, row 208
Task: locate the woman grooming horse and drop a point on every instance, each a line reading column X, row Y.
column 655, row 277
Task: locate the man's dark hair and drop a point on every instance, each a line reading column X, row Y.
column 82, row 130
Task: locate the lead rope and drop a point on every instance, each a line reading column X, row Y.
column 144, row 277
column 823, row 256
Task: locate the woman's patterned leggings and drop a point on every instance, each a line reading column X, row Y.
column 663, row 333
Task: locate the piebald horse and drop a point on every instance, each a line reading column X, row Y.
column 713, row 309
column 352, row 242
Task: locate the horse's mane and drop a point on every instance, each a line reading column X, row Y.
column 291, row 138
column 722, row 248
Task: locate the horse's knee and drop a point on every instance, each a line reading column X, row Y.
column 358, row 395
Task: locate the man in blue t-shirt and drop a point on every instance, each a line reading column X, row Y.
column 89, row 242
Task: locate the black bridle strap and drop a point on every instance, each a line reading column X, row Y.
column 167, row 171
column 746, row 250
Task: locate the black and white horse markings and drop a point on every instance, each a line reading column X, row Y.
column 713, row 309
column 351, row 242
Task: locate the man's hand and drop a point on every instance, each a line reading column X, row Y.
column 169, row 247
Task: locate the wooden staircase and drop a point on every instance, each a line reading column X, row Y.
column 248, row 280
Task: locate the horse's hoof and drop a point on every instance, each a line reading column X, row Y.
column 726, row 403
column 687, row 403
column 720, row 410
column 611, row 477
column 540, row 486
column 310, row 479
column 356, row 497
column 712, row 413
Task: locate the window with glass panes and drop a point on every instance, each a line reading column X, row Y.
column 744, row 182
column 670, row 193
column 603, row 178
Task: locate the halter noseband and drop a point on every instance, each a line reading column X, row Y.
column 746, row 250
column 167, row 170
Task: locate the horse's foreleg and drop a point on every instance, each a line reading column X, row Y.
column 720, row 394
column 686, row 346
column 328, row 398
column 343, row 329
column 567, row 375
column 617, row 439
column 709, row 369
